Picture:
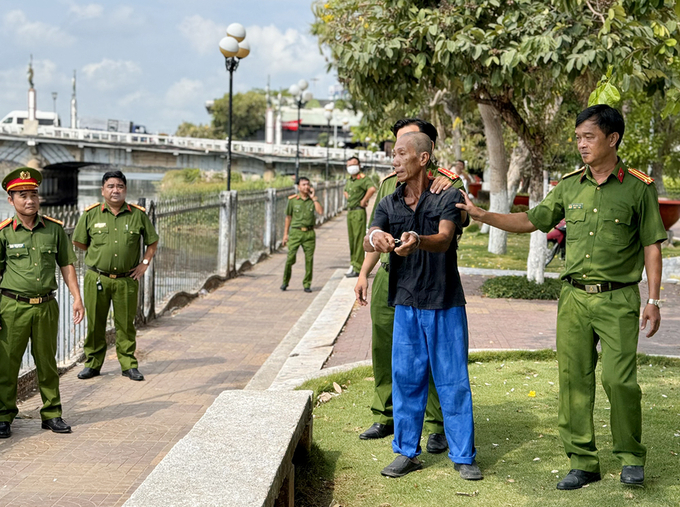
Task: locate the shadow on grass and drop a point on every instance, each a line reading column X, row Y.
column 314, row 484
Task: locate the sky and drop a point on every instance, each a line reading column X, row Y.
column 154, row 62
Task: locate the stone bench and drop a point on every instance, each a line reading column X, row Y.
column 240, row 454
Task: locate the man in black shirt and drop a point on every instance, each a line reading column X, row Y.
column 430, row 324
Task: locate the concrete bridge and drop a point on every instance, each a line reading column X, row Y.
column 65, row 150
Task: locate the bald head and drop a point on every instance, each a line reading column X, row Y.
column 420, row 142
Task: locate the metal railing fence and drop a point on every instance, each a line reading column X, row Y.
column 201, row 236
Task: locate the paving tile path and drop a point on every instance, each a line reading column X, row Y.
column 122, row 429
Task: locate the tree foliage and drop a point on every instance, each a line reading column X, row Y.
column 517, row 55
column 188, row 129
column 248, row 117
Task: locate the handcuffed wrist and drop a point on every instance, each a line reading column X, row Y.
column 370, row 237
column 415, row 235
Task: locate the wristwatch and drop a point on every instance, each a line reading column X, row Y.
column 655, row 302
column 145, row 262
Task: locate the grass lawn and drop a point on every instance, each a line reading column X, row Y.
column 519, row 450
column 473, row 253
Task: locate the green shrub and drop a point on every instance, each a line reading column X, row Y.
column 473, row 227
column 518, row 287
column 519, row 208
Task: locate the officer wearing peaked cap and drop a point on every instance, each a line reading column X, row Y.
column 31, row 247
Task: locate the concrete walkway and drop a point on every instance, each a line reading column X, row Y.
column 243, row 334
column 122, row 429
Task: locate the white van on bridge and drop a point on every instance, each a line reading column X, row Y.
column 19, row 117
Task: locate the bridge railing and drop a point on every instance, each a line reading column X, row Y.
column 199, row 144
column 203, row 239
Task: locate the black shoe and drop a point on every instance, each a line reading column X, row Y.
column 634, row 475
column 5, row 429
column 436, row 443
column 133, row 374
column 401, row 466
column 88, row 373
column 307, row 289
column 57, row 425
column 284, row 286
column 353, row 274
column 469, row 472
column 377, row 431
column 576, row 479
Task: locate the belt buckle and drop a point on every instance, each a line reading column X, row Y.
column 113, row 276
column 34, row 301
column 594, row 289
column 303, row 229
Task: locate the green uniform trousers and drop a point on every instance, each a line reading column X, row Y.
column 583, row 319
column 21, row 321
column 306, row 240
column 382, row 322
column 356, row 230
column 122, row 292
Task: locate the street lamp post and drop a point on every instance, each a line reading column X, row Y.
column 301, row 98
column 328, row 113
column 54, row 104
column 234, row 48
column 345, row 129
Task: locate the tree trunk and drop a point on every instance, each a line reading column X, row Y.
column 498, row 168
column 538, row 246
column 520, row 168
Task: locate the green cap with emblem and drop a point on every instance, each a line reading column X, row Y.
column 24, row 178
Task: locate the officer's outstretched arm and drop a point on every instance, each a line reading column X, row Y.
column 511, row 222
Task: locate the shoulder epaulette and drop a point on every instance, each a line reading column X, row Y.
column 392, row 175
column 92, row 206
column 573, row 173
column 449, row 174
column 641, row 176
column 5, row 223
column 140, row 208
column 361, row 175
column 292, row 196
column 54, row 220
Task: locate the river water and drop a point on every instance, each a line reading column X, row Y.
column 139, row 184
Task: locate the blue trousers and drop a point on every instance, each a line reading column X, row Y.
column 435, row 340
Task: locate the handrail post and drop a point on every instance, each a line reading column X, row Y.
column 226, row 254
column 270, row 220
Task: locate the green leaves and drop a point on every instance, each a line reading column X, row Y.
column 605, row 94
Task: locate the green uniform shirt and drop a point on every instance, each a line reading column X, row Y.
column 113, row 240
column 356, row 188
column 389, row 185
column 29, row 259
column 302, row 212
column 608, row 225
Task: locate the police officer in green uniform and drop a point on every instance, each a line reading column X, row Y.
column 31, row 248
column 299, row 231
column 358, row 191
column 614, row 230
column 110, row 233
column 382, row 315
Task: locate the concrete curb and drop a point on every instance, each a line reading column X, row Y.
column 312, row 351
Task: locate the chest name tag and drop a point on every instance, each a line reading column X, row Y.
column 578, row 205
column 16, row 245
column 100, row 225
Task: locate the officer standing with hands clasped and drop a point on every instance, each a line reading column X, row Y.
column 31, row 248
column 615, row 230
column 110, row 233
column 358, row 191
column 299, row 231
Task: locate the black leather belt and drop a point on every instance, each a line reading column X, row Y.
column 110, row 275
column 304, row 229
column 385, row 266
column 596, row 288
column 32, row 301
